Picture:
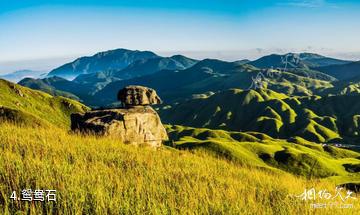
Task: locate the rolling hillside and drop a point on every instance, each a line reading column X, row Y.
column 55, row 86
column 214, row 75
column 299, row 157
column 58, row 86
column 345, row 87
column 314, row 118
column 30, row 107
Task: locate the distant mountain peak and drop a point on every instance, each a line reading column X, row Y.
column 178, row 56
column 21, row 74
column 296, row 60
column 102, row 61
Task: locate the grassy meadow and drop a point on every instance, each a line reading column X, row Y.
column 102, row 176
column 299, row 156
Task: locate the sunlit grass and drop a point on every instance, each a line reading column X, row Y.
column 101, row 175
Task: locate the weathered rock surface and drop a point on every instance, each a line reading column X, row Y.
column 138, row 95
column 136, row 125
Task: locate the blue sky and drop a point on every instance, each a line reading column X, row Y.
column 56, row 31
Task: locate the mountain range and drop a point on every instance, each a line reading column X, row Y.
column 294, row 60
column 310, row 96
column 179, row 77
column 138, row 68
column 114, row 59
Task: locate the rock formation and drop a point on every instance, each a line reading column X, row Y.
column 138, row 95
column 137, row 123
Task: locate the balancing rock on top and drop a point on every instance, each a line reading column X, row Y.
column 138, row 96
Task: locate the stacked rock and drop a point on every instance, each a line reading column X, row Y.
column 136, row 123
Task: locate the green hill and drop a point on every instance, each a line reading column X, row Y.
column 55, row 86
column 299, row 156
column 314, row 118
column 31, row 107
column 214, row 75
column 302, row 74
column 58, row 86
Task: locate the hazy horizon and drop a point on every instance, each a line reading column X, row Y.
column 41, row 36
column 47, row 64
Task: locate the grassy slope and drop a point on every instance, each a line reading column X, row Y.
column 344, row 87
column 317, row 119
column 29, row 105
column 46, row 85
column 100, row 175
column 299, row 157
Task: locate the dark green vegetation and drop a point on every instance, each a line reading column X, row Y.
column 214, row 75
column 343, row 71
column 177, row 78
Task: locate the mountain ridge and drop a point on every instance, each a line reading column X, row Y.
column 106, row 60
column 295, row 60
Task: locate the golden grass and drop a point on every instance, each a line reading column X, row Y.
column 102, row 176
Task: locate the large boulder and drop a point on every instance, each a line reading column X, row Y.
column 137, row 125
column 138, row 95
